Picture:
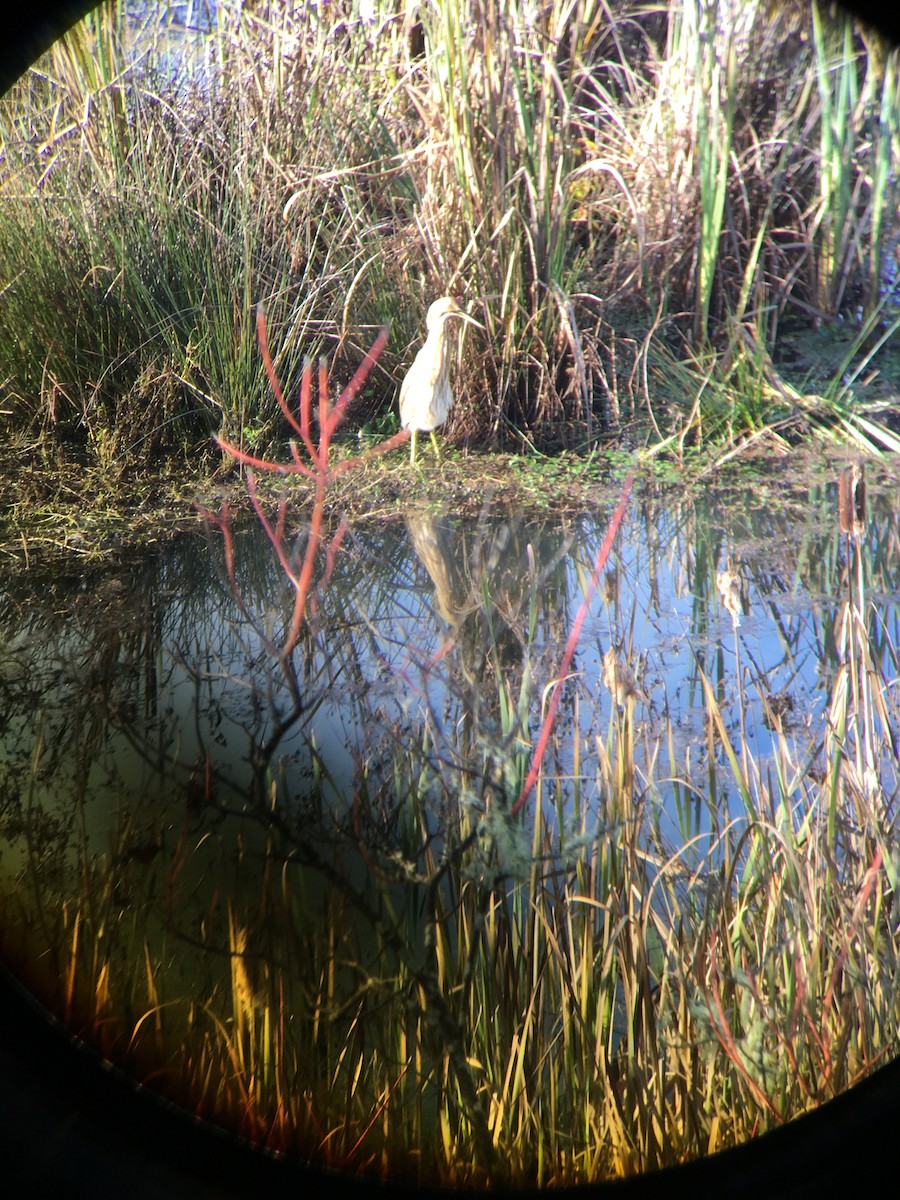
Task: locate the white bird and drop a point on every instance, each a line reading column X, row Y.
column 425, row 394
column 620, row 681
column 730, row 587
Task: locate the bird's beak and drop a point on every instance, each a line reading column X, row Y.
column 464, row 316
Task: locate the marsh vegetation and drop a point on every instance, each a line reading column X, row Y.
column 642, row 205
column 400, row 887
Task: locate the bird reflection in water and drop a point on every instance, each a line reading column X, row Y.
column 620, row 680
column 483, row 575
column 733, row 593
column 432, row 539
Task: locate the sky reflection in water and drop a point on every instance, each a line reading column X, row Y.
column 183, row 815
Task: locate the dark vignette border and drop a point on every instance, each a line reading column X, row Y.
column 71, row 1125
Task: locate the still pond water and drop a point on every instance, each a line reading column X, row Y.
column 214, row 860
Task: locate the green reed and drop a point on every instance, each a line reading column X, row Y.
column 836, row 78
column 555, row 171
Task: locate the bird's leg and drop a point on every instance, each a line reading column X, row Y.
column 412, row 447
column 434, row 443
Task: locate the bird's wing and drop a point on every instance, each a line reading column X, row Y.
column 419, row 385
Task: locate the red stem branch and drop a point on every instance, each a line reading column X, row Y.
column 572, row 642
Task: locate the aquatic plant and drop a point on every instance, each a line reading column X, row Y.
column 317, row 468
column 402, row 977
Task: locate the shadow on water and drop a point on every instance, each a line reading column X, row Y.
column 294, row 894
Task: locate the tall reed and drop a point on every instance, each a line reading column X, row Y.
column 598, row 180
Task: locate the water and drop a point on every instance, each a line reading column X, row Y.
column 176, row 799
